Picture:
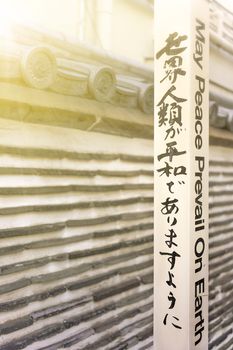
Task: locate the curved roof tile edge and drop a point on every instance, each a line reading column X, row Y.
column 220, row 116
column 47, row 67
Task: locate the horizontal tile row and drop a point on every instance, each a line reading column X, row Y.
column 220, row 245
column 76, row 249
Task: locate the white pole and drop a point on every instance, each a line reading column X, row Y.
column 181, row 174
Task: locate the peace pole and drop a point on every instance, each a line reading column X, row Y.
column 181, row 174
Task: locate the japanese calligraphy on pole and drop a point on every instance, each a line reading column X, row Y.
column 181, row 175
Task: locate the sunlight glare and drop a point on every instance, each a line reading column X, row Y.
column 9, row 15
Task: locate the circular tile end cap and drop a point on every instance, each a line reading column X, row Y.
column 39, row 67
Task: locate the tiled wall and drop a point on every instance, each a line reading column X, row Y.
column 221, row 241
column 76, row 239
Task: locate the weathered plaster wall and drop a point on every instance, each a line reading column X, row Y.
column 133, row 20
column 123, row 28
column 57, row 16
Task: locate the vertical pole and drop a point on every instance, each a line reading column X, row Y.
column 181, row 174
